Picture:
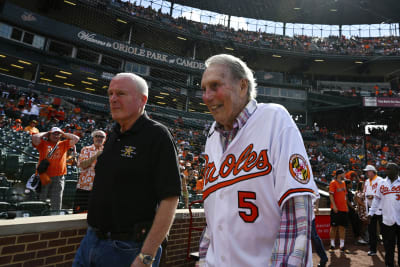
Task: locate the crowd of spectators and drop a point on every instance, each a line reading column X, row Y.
column 355, row 46
column 333, row 149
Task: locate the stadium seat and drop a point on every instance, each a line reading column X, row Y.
column 55, row 212
column 11, row 165
column 5, row 206
column 69, row 194
column 27, row 170
column 15, row 195
column 36, row 208
column 3, row 190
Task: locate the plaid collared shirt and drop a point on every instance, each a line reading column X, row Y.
column 240, row 121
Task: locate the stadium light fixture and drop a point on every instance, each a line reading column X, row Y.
column 163, row 93
column 277, row 56
column 3, row 56
column 174, row 100
column 333, row 10
column 158, row 96
column 45, row 79
column 4, row 69
column 105, row 86
column 358, row 62
column 181, row 38
column 122, row 21
column 319, row 60
column 229, row 48
column 161, row 103
column 191, row 110
column 69, row 3
column 297, row 8
column 207, row 112
column 90, row 89
column 24, row 62
column 69, row 84
column 65, row 72
column 17, row 66
column 85, row 82
column 92, row 79
column 59, row 76
column 202, row 104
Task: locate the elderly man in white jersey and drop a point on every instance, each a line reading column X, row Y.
column 258, row 184
column 387, row 197
column 370, row 186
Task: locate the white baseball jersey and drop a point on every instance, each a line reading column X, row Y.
column 246, row 186
column 370, row 190
column 387, row 197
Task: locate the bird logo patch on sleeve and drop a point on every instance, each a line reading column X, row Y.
column 299, row 169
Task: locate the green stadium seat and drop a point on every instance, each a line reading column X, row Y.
column 27, row 170
column 36, row 208
column 3, row 190
column 55, row 212
column 5, row 206
column 11, row 165
column 69, row 194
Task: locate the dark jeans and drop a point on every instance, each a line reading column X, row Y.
column 319, row 246
column 106, row 252
column 390, row 233
column 372, row 230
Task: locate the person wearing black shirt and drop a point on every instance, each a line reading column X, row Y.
column 136, row 187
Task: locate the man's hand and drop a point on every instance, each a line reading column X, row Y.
column 335, row 210
column 138, row 263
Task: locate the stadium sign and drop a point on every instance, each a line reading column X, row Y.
column 139, row 51
column 381, row 102
column 65, row 32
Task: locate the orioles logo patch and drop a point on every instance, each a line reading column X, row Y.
column 299, row 169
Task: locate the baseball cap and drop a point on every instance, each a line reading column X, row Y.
column 55, row 129
column 18, row 120
column 370, row 168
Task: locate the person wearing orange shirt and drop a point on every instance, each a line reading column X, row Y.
column 17, row 126
column 44, row 142
column 339, row 209
column 86, row 162
column 31, row 128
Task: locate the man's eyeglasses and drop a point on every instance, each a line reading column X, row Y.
column 99, row 136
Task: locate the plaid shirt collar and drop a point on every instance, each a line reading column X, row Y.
column 240, row 121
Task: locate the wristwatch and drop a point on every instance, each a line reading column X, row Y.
column 146, row 259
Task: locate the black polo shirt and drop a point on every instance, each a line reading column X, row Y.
column 137, row 169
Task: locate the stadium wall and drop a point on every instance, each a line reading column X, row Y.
column 53, row 240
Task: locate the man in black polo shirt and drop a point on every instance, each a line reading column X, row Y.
column 137, row 184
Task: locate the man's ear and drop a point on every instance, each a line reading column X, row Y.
column 244, row 86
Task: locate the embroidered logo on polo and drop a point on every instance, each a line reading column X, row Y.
column 128, row 151
column 299, row 169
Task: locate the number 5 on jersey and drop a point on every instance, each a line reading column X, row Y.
column 244, row 202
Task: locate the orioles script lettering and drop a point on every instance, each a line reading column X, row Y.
column 247, row 161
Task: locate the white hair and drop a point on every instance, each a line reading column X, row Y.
column 95, row 132
column 139, row 82
column 239, row 70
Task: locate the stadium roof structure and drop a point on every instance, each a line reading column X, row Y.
column 332, row 12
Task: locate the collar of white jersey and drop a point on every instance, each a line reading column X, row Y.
column 241, row 119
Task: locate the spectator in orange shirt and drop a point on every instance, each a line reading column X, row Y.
column 17, row 126
column 86, row 162
column 56, row 102
column 44, row 142
column 31, row 128
column 339, row 209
